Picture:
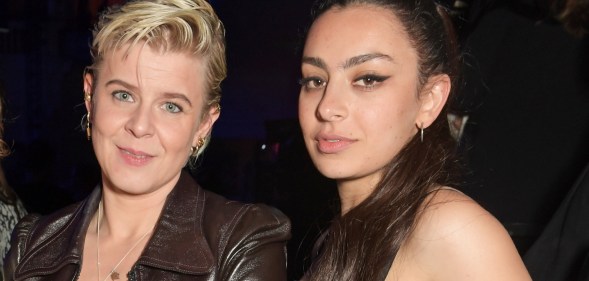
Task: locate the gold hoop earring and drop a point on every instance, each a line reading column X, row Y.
column 194, row 150
column 88, row 130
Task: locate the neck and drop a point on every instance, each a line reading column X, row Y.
column 125, row 216
column 354, row 192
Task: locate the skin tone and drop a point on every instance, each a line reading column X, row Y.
column 360, row 102
column 147, row 112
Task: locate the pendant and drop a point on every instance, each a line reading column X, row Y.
column 114, row 275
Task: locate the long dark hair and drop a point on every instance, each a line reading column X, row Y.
column 4, row 149
column 362, row 244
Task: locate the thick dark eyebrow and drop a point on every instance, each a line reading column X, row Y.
column 351, row 62
column 315, row 62
column 354, row 61
column 167, row 95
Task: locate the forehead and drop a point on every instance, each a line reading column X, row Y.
column 359, row 29
column 142, row 63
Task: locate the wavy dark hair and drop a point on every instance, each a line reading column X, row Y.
column 361, row 244
column 4, row 149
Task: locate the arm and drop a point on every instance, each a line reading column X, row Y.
column 256, row 248
column 462, row 241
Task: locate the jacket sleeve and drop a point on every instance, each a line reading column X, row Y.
column 18, row 245
column 256, row 248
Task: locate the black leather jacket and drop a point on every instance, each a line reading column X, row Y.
column 199, row 236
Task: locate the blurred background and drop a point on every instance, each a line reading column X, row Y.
column 524, row 104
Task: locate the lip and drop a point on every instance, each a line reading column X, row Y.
column 331, row 144
column 134, row 157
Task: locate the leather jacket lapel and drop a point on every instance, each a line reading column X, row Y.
column 178, row 242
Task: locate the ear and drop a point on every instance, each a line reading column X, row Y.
column 433, row 97
column 88, row 84
column 206, row 125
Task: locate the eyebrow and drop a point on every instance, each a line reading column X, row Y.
column 354, row 61
column 315, row 62
column 178, row 96
column 169, row 95
column 122, row 83
column 351, row 62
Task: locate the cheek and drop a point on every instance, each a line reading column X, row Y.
column 178, row 135
column 306, row 113
column 395, row 122
column 105, row 119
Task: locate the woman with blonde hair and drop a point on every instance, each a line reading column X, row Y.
column 152, row 95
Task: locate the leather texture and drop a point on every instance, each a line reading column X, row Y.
column 199, row 236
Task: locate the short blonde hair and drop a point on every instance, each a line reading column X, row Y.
column 189, row 26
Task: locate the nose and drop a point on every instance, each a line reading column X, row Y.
column 332, row 106
column 140, row 124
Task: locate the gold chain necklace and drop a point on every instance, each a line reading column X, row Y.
column 113, row 274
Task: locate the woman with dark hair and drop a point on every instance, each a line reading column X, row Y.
column 376, row 78
column 11, row 208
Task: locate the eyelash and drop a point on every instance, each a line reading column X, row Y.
column 129, row 98
column 370, row 81
column 166, row 104
column 117, row 95
column 306, row 83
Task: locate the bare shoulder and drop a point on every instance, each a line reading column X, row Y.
column 456, row 239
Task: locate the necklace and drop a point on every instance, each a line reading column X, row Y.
column 113, row 274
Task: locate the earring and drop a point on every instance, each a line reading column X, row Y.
column 218, row 108
column 194, row 150
column 88, row 130
column 421, row 132
column 87, row 96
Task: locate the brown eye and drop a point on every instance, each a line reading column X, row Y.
column 369, row 81
column 310, row 83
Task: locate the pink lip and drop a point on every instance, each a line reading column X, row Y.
column 330, row 144
column 134, row 157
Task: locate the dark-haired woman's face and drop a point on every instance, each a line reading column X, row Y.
column 358, row 103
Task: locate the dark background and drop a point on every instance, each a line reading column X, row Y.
column 524, row 89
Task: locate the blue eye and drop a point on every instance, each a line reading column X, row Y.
column 172, row 107
column 123, row 96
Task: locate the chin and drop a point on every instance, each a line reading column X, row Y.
column 331, row 172
column 130, row 185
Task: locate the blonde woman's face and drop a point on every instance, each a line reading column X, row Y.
column 146, row 114
column 358, row 104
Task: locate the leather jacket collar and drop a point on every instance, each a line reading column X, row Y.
column 173, row 245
